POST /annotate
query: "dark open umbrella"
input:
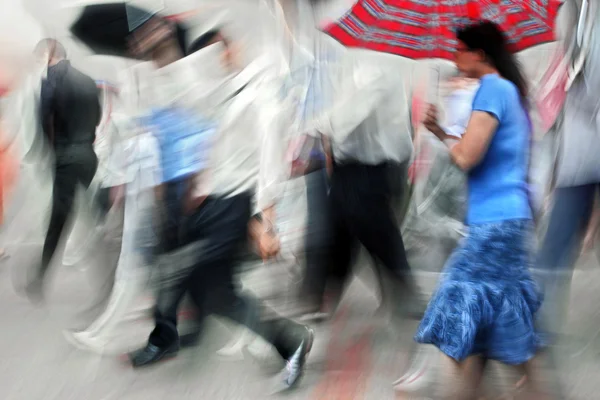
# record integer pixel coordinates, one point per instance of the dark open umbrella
(106, 28)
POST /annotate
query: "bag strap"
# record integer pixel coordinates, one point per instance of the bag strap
(581, 39)
(557, 141)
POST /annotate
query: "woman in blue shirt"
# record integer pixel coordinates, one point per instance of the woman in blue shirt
(485, 304)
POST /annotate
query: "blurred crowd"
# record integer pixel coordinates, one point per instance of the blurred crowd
(194, 143)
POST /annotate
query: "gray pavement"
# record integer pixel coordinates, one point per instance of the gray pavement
(356, 356)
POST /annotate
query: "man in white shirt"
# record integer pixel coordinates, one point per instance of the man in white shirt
(369, 131)
(219, 206)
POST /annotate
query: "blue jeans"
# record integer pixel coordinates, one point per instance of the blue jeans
(560, 248)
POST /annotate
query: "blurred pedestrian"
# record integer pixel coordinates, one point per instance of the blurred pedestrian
(71, 111)
(576, 173)
(369, 146)
(218, 201)
(484, 307)
(577, 169)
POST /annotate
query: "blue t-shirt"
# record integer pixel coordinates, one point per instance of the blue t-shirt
(498, 187)
(184, 139)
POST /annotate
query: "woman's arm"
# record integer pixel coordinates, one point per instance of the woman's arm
(469, 151)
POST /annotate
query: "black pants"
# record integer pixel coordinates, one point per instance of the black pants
(171, 253)
(74, 167)
(318, 239)
(222, 224)
(362, 212)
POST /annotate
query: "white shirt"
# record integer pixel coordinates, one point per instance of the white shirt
(369, 121)
(107, 149)
(243, 145)
(246, 109)
(458, 107)
(133, 158)
(142, 163)
(290, 113)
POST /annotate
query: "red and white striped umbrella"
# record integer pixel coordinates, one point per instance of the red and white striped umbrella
(426, 28)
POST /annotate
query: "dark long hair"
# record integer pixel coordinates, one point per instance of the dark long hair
(488, 37)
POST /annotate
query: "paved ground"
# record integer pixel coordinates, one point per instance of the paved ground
(356, 356)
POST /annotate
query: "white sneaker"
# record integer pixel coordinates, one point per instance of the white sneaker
(264, 355)
(259, 349)
(83, 341)
(234, 350)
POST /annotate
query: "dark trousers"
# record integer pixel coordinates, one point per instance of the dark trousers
(174, 265)
(73, 168)
(222, 225)
(361, 204)
(318, 239)
(172, 217)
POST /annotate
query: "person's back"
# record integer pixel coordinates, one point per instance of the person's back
(70, 113)
(76, 106)
(498, 188)
(370, 120)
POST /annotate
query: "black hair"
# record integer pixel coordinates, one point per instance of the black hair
(181, 36)
(487, 37)
(55, 48)
(204, 40)
(179, 32)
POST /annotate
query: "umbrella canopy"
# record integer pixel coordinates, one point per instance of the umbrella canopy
(106, 28)
(427, 28)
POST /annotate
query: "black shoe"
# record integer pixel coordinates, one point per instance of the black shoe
(151, 354)
(294, 368)
(189, 340)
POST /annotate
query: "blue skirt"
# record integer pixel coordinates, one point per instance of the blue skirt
(486, 300)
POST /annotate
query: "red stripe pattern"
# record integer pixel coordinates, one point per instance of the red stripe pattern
(426, 28)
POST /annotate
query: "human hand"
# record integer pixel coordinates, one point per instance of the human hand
(328, 154)
(299, 168)
(192, 203)
(268, 245)
(431, 119)
(329, 164)
(116, 195)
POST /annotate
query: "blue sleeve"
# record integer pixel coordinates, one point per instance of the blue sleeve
(491, 98)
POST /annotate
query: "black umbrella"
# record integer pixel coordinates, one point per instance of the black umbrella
(106, 28)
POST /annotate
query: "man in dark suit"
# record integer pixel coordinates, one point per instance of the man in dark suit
(70, 113)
